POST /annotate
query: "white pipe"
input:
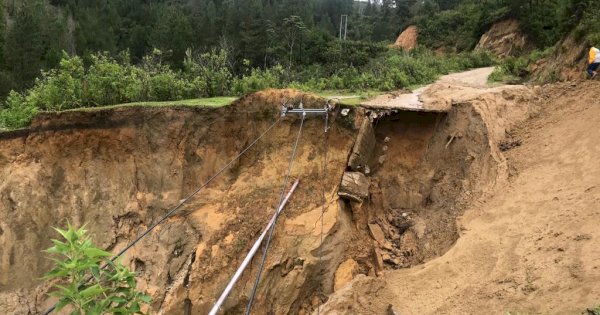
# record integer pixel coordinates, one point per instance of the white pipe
(250, 255)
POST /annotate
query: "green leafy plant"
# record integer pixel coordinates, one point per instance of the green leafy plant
(16, 113)
(594, 310)
(88, 281)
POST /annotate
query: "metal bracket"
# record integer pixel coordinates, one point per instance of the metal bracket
(289, 109)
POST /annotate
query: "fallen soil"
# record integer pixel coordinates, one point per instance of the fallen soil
(528, 247)
(505, 39)
(407, 40)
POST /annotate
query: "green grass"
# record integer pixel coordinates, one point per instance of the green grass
(347, 97)
(197, 102)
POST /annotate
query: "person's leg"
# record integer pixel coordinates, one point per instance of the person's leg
(595, 67)
(590, 70)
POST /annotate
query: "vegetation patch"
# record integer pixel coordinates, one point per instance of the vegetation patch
(207, 80)
(517, 69)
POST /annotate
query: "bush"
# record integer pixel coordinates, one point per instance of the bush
(60, 88)
(107, 82)
(16, 113)
(517, 68)
(210, 72)
(258, 80)
(88, 280)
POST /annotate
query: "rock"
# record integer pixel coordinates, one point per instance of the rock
(377, 233)
(387, 245)
(378, 261)
(385, 148)
(402, 224)
(354, 186)
(371, 272)
(345, 111)
(345, 273)
(386, 140)
(363, 148)
(381, 159)
(391, 310)
(386, 258)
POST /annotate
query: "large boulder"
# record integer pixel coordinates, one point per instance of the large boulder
(355, 186)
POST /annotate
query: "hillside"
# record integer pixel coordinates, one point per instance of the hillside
(453, 171)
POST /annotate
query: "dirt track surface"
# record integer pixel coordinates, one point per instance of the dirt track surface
(530, 248)
(417, 100)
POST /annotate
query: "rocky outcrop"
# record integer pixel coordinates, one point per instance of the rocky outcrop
(354, 186)
(505, 39)
(407, 39)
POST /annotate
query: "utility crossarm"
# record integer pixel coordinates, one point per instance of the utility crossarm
(285, 110)
(305, 111)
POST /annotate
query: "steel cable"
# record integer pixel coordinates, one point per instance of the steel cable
(264, 256)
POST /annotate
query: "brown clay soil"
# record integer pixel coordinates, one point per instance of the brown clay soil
(505, 39)
(531, 245)
(486, 206)
(407, 40)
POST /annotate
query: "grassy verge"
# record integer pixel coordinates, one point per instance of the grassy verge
(198, 102)
(348, 97)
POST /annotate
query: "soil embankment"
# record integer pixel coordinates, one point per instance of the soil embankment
(404, 178)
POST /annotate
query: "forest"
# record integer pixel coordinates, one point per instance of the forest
(62, 54)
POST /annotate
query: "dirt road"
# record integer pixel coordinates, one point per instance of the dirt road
(532, 247)
(414, 101)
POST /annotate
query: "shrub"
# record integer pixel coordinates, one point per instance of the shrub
(60, 88)
(84, 284)
(258, 80)
(517, 68)
(107, 82)
(16, 113)
(210, 70)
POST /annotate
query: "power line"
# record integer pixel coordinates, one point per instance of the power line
(181, 203)
(272, 229)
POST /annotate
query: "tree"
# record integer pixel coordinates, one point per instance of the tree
(24, 44)
(293, 30)
(88, 280)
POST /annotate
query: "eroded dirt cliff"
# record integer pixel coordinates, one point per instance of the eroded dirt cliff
(119, 170)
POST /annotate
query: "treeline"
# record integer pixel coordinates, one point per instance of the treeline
(264, 32)
(459, 24)
(291, 33)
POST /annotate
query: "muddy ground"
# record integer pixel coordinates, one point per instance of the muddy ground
(434, 227)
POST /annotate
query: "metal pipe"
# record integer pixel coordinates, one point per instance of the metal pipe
(251, 253)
